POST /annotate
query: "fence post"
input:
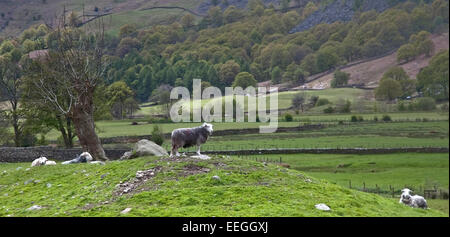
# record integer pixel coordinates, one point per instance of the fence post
(350, 183)
(364, 186)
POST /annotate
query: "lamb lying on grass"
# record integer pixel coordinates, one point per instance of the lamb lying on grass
(413, 201)
(42, 161)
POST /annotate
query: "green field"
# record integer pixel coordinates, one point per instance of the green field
(184, 187)
(398, 170)
(125, 128)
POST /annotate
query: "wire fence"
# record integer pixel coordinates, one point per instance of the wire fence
(389, 190)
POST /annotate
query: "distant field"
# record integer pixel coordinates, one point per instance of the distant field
(285, 99)
(414, 170)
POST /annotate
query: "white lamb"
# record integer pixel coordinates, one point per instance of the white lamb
(413, 201)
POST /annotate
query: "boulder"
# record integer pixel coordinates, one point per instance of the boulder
(145, 147)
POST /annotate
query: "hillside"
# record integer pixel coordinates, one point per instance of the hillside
(18, 15)
(182, 187)
(370, 72)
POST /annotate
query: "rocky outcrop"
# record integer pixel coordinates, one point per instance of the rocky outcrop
(145, 147)
(339, 10)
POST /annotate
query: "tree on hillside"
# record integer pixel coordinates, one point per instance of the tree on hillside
(340, 78)
(406, 53)
(161, 95)
(215, 16)
(433, 80)
(10, 86)
(388, 90)
(298, 102)
(118, 93)
(408, 86)
(228, 72)
(128, 30)
(187, 20)
(244, 80)
(77, 64)
(276, 75)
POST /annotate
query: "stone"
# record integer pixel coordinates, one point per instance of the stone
(216, 177)
(201, 157)
(126, 210)
(34, 207)
(28, 181)
(145, 147)
(127, 155)
(18, 168)
(322, 207)
(49, 185)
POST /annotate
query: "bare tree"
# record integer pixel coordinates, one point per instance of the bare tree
(69, 73)
(10, 81)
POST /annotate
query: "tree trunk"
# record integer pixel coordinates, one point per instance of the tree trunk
(16, 126)
(83, 121)
(69, 131)
(67, 136)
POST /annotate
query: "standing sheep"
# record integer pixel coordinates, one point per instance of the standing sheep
(187, 137)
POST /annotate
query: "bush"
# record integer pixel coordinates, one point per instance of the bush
(354, 119)
(386, 118)
(329, 110)
(444, 108)
(313, 100)
(288, 117)
(425, 104)
(157, 135)
(375, 119)
(322, 101)
(360, 118)
(401, 106)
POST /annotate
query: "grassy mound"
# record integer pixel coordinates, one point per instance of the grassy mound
(182, 187)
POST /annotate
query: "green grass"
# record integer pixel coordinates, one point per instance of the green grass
(354, 135)
(245, 188)
(124, 128)
(415, 170)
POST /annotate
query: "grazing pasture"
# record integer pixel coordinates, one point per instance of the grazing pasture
(183, 187)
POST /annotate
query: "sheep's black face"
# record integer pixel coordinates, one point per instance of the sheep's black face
(406, 198)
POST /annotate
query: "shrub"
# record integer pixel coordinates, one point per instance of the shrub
(354, 119)
(288, 117)
(360, 118)
(386, 118)
(329, 110)
(375, 119)
(425, 104)
(322, 101)
(401, 106)
(157, 135)
(444, 108)
(313, 100)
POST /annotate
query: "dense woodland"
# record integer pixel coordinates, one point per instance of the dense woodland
(234, 47)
